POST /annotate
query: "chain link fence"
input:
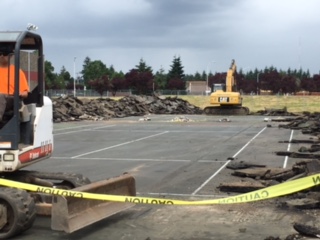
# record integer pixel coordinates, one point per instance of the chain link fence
(122, 93)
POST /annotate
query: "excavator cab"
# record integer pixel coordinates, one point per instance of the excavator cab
(26, 137)
(218, 87)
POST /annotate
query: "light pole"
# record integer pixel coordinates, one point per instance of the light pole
(74, 76)
(207, 82)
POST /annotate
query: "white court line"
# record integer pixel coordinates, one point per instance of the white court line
(224, 165)
(128, 159)
(176, 131)
(63, 129)
(82, 130)
(288, 149)
(121, 144)
(183, 195)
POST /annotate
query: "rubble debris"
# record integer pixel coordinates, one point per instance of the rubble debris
(289, 237)
(283, 119)
(308, 124)
(224, 120)
(307, 230)
(69, 108)
(243, 165)
(312, 148)
(181, 119)
(272, 238)
(145, 118)
(275, 112)
(298, 154)
(302, 203)
(301, 141)
(241, 187)
(261, 173)
(313, 166)
(256, 176)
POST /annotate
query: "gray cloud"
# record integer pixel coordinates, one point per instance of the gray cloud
(256, 33)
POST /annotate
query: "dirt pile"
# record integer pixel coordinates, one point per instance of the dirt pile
(69, 108)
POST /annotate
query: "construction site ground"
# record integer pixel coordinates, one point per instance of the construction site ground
(176, 157)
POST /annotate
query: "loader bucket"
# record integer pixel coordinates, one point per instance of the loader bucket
(70, 214)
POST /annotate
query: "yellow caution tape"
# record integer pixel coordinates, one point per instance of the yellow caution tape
(262, 194)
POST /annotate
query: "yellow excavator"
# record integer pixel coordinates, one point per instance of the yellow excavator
(225, 99)
(26, 137)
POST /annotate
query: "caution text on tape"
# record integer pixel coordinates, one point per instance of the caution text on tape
(262, 194)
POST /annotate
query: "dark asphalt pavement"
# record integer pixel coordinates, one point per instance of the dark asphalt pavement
(167, 157)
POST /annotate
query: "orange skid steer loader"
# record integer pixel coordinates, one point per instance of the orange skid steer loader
(26, 137)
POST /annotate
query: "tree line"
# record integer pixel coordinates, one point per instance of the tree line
(142, 80)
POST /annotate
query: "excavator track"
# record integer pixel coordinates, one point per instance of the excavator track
(233, 110)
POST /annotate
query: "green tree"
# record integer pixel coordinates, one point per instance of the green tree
(139, 82)
(176, 84)
(59, 83)
(190, 77)
(176, 70)
(140, 79)
(100, 85)
(197, 77)
(50, 76)
(118, 82)
(112, 72)
(143, 67)
(65, 77)
(176, 75)
(61, 80)
(160, 79)
(204, 75)
(93, 70)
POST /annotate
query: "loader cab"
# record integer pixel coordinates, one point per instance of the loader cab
(25, 52)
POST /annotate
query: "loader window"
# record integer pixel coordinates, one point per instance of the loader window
(28, 80)
(29, 65)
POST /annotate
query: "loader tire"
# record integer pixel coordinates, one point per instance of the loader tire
(21, 211)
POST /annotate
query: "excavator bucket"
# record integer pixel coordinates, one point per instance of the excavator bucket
(70, 214)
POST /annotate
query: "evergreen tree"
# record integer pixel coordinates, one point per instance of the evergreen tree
(197, 77)
(62, 79)
(160, 79)
(142, 67)
(204, 75)
(176, 71)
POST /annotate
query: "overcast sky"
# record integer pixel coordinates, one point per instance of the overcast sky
(205, 34)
